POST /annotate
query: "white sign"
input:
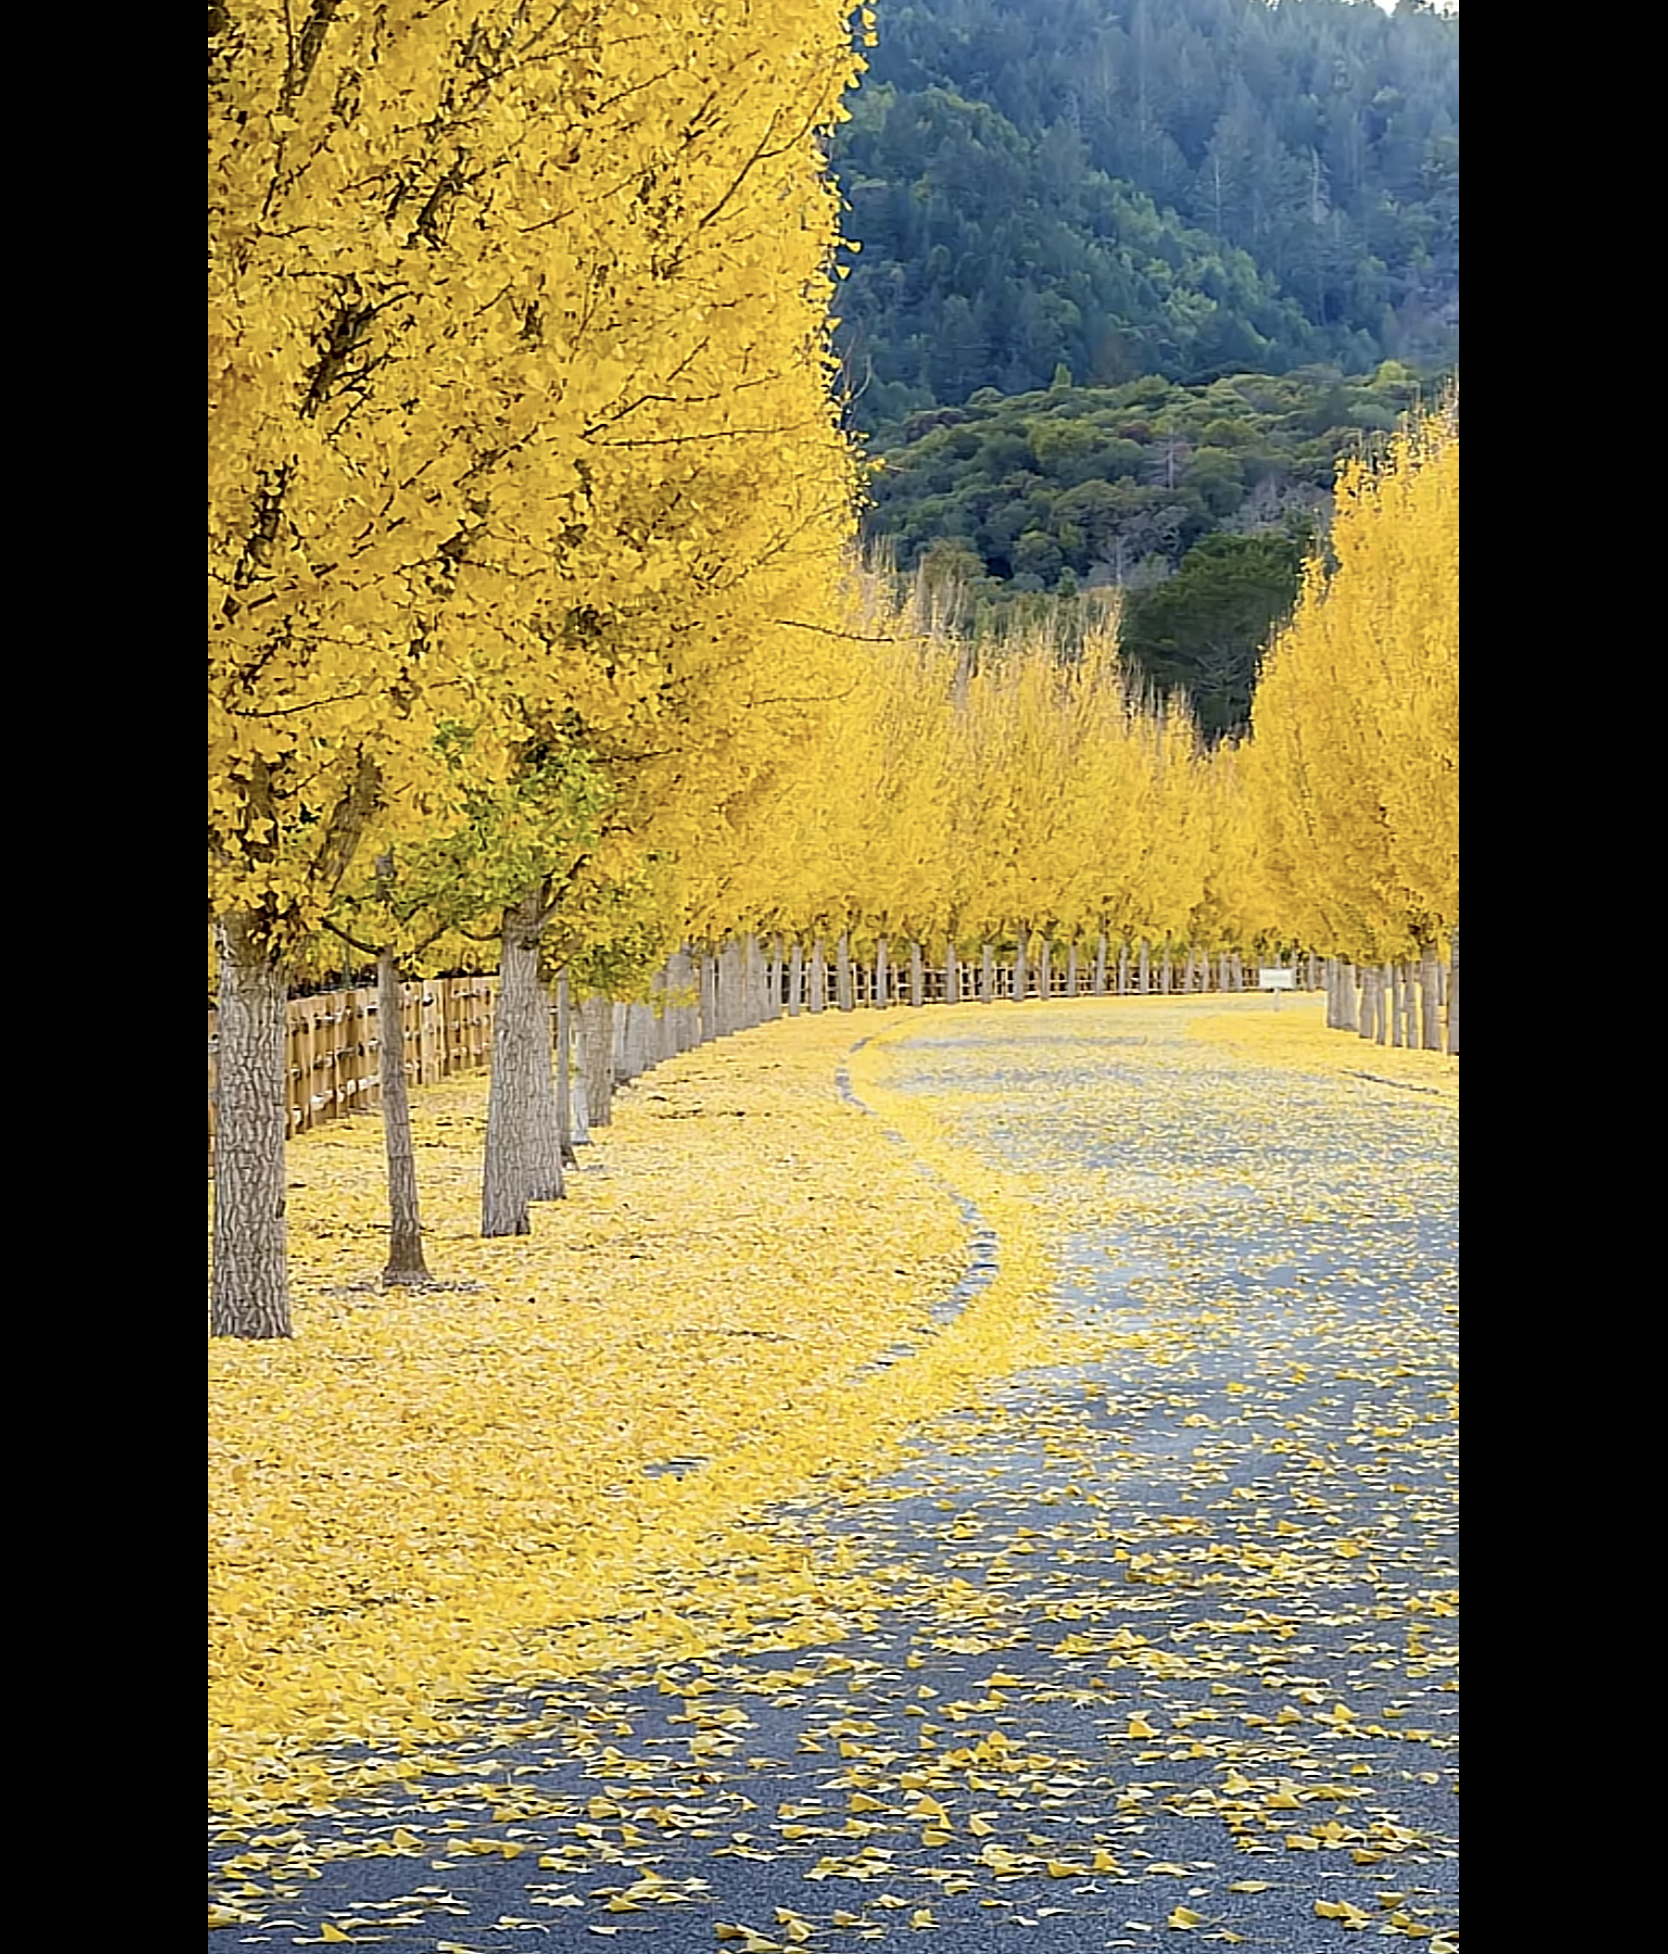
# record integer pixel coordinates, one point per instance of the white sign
(1276, 980)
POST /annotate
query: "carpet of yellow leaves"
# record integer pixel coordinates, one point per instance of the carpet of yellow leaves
(549, 1463)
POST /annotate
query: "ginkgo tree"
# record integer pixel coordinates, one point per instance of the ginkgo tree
(1353, 762)
(520, 415)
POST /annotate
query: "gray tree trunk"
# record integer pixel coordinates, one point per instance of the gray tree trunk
(1123, 969)
(544, 1135)
(917, 976)
(987, 973)
(520, 1024)
(1164, 970)
(773, 980)
(1453, 995)
(1386, 1001)
(1349, 999)
(564, 1067)
(1143, 970)
(249, 1293)
(818, 999)
(1022, 968)
(883, 976)
(952, 974)
(1430, 1003)
(1393, 985)
(796, 978)
(596, 1038)
(405, 1265)
(1100, 965)
(842, 972)
(1331, 986)
(1371, 981)
(1045, 970)
(1071, 971)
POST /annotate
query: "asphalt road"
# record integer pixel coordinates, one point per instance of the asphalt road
(1171, 1643)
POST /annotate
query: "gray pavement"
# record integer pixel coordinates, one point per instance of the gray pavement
(1170, 1645)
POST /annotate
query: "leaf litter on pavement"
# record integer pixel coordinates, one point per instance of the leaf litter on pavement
(1147, 1628)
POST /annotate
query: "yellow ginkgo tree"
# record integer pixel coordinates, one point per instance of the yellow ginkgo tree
(521, 426)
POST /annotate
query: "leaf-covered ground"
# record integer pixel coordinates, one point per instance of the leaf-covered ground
(1151, 1629)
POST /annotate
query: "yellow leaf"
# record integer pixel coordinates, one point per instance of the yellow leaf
(981, 1828)
(1103, 1862)
(1139, 1726)
(922, 1917)
(1185, 1917)
(1250, 1886)
(334, 1935)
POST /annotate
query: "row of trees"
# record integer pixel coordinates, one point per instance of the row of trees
(535, 636)
(527, 494)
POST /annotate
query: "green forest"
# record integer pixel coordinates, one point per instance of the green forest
(1195, 503)
(1124, 187)
(1129, 278)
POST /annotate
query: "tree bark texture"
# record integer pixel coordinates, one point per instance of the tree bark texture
(405, 1227)
(249, 1293)
(523, 1155)
(596, 1037)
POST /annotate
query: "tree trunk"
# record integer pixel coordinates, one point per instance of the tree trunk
(1143, 970)
(1100, 965)
(796, 977)
(817, 988)
(1164, 970)
(564, 1068)
(520, 1022)
(1022, 969)
(917, 976)
(987, 973)
(842, 971)
(1348, 1014)
(952, 974)
(596, 1040)
(1453, 995)
(1370, 982)
(883, 976)
(1123, 969)
(249, 1296)
(405, 1227)
(773, 980)
(1386, 1002)
(1393, 984)
(1430, 1007)
(1045, 970)
(1330, 981)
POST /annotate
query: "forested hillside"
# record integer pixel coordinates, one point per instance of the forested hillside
(1192, 505)
(1125, 187)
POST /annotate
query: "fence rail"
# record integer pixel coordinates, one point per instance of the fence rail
(333, 1046)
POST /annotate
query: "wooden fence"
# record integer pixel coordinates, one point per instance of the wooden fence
(333, 1047)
